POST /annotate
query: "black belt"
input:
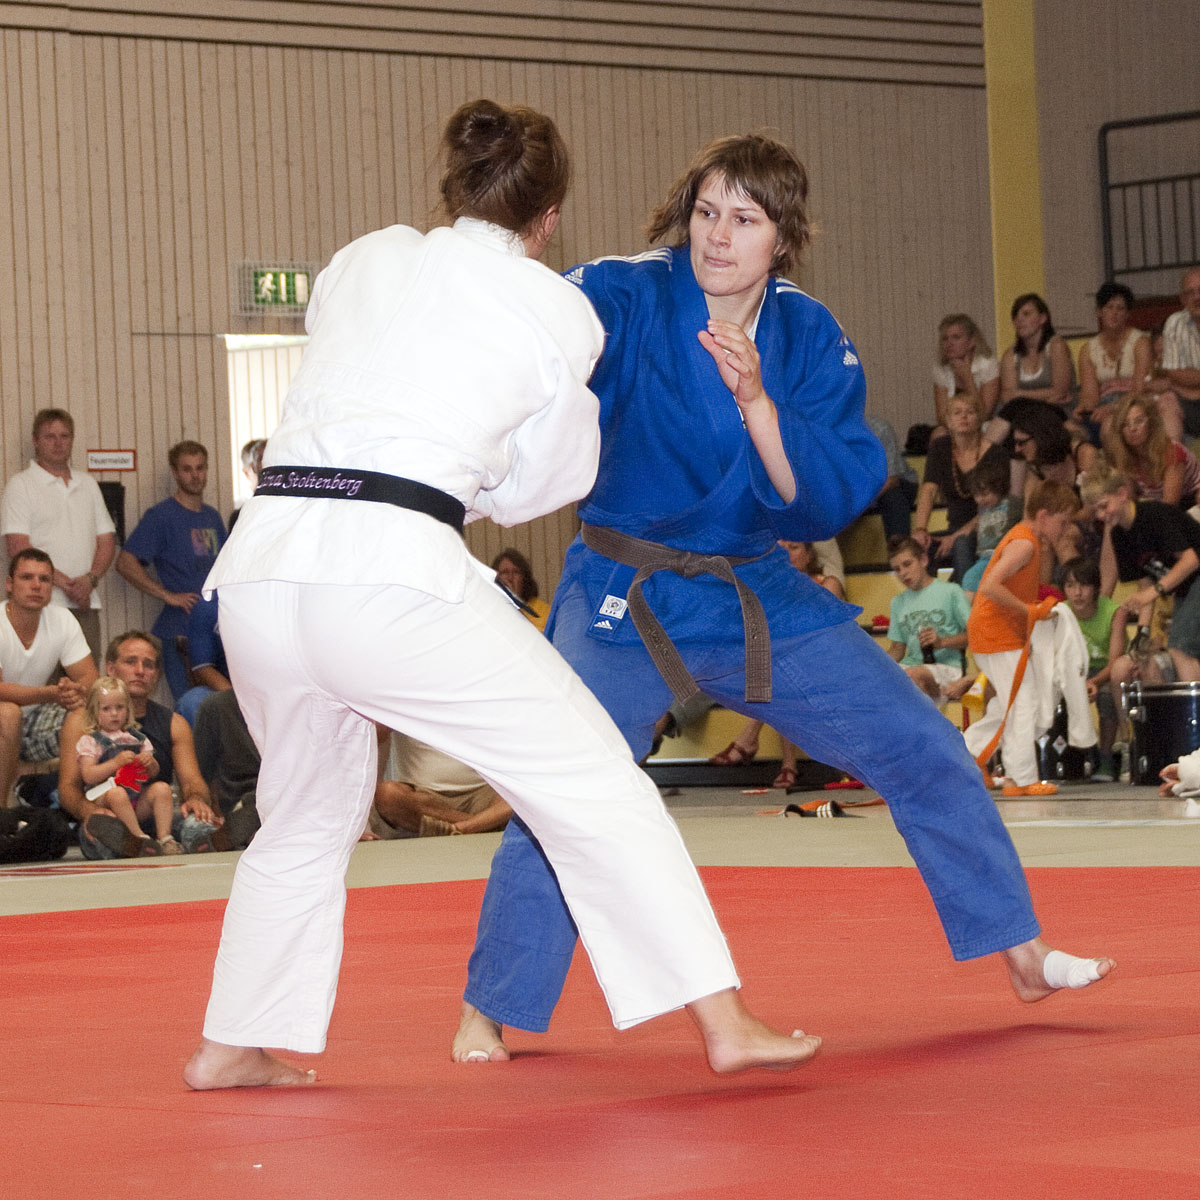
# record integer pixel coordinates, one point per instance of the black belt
(649, 557)
(339, 483)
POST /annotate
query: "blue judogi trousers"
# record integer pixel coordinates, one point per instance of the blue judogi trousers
(843, 700)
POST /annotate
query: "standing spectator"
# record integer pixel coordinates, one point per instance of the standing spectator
(179, 538)
(34, 638)
(896, 498)
(62, 512)
(1181, 352)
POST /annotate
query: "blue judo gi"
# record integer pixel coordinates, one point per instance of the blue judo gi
(678, 468)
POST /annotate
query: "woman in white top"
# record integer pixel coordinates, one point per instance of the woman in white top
(1118, 362)
(445, 379)
(965, 367)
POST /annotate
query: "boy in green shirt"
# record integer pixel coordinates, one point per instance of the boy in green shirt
(1095, 613)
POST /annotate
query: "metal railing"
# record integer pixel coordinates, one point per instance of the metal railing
(1151, 223)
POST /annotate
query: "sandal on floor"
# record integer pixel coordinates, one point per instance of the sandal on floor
(785, 779)
(732, 756)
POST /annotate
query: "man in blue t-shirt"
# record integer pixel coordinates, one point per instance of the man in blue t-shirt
(179, 538)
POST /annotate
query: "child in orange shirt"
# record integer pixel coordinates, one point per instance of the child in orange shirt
(1005, 610)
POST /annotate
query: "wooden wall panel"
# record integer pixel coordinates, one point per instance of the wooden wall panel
(1100, 61)
(158, 163)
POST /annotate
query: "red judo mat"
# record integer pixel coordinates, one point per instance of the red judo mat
(933, 1080)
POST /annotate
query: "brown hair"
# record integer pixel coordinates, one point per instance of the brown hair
(1050, 496)
(529, 587)
(968, 326)
(1158, 442)
(32, 554)
(177, 451)
(503, 165)
(898, 543)
(46, 415)
(765, 170)
(133, 635)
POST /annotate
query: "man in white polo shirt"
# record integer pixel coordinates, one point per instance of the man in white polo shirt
(35, 636)
(62, 512)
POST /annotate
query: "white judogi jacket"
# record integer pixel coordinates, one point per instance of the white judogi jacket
(504, 423)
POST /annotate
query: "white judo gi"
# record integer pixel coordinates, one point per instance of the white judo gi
(451, 359)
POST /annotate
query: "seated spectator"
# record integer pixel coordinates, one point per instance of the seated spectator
(206, 653)
(896, 498)
(513, 570)
(1117, 362)
(1178, 367)
(1047, 448)
(1182, 779)
(927, 633)
(433, 795)
(1105, 640)
(1137, 445)
(35, 637)
(229, 761)
(1158, 546)
(1038, 365)
(135, 658)
(117, 763)
(965, 367)
(946, 468)
(998, 511)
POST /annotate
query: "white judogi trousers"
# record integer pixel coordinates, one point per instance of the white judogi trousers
(314, 666)
(1017, 743)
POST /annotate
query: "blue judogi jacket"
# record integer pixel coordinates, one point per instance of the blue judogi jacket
(678, 467)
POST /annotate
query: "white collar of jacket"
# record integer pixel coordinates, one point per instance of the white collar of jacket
(497, 235)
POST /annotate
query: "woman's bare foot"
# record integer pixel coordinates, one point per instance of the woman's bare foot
(735, 1040)
(1027, 970)
(216, 1065)
(479, 1038)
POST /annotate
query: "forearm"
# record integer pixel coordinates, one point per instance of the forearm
(210, 677)
(97, 772)
(951, 641)
(762, 424)
(999, 594)
(106, 551)
(925, 498)
(134, 573)
(19, 694)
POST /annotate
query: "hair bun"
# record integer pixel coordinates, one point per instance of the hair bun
(483, 131)
(503, 165)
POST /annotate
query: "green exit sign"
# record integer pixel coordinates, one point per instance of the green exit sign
(275, 289)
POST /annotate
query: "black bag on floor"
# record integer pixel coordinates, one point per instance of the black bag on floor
(32, 835)
(1058, 760)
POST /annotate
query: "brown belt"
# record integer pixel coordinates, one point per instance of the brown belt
(651, 557)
